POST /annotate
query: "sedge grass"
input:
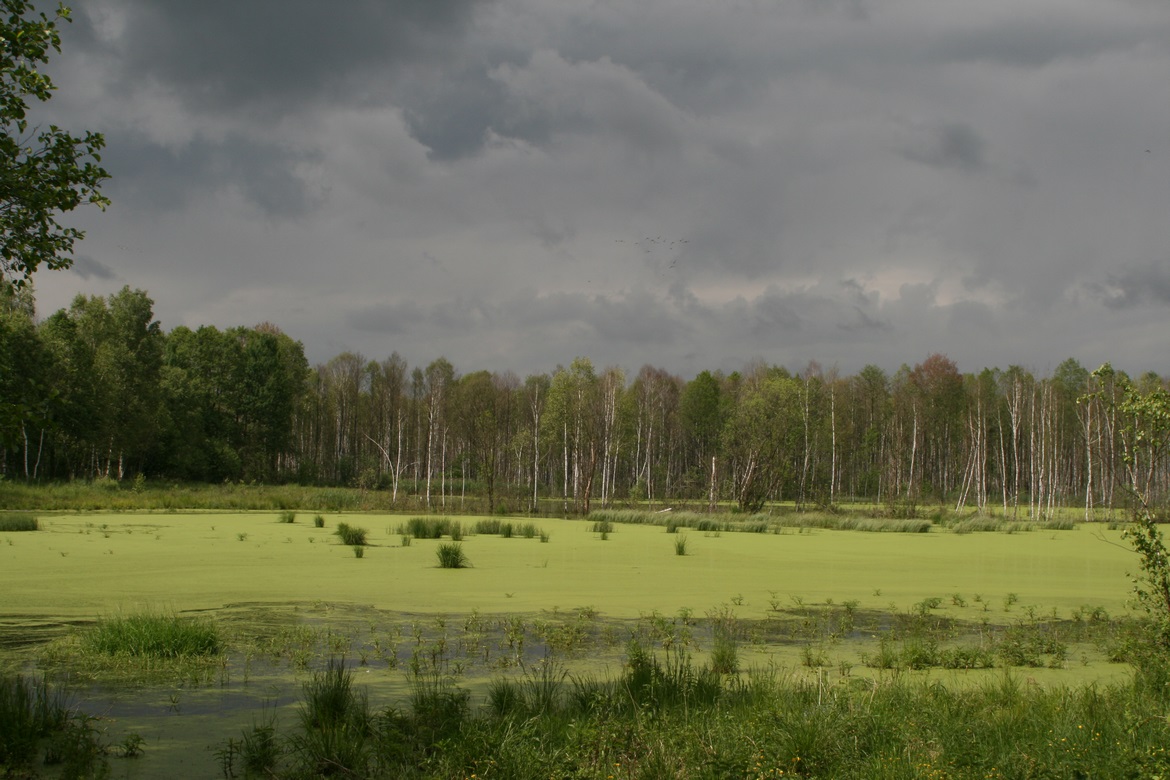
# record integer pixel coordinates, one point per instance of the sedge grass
(151, 635)
(352, 535)
(451, 556)
(664, 716)
(18, 521)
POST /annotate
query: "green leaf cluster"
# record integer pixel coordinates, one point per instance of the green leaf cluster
(44, 171)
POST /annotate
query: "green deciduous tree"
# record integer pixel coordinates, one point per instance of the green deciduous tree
(44, 171)
(1145, 440)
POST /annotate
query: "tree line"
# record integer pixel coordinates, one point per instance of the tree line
(98, 390)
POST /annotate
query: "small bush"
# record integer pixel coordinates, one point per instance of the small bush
(451, 556)
(602, 526)
(318, 521)
(680, 544)
(351, 535)
(406, 540)
(288, 516)
(18, 522)
(359, 551)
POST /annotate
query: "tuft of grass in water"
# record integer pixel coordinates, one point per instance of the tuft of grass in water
(429, 527)
(359, 551)
(29, 712)
(336, 725)
(451, 556)
(153, 636)
(351, 535)
(288, 516)
(405, 540)
(680, 544)
(318, 521)
(19, 522)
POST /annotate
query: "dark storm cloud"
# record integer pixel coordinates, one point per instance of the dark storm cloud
(637, 318)
(275, 55)
(154, 176)
(846, 176)
(88, 268)
(451, 113)
(952, 145)
(1136, 287)
(863, 323)
(1033, 40)
(389, 319)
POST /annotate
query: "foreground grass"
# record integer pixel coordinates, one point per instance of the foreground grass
(37, 727)
(666, 717)
(152, 636)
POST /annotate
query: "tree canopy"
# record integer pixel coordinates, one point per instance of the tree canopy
(44, 171)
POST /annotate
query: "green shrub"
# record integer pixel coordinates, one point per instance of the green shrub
(153, 636)
(451, 556)
(288, 516)
(18, 522)
(318, 521)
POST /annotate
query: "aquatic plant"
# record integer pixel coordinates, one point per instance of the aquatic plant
(451, 556)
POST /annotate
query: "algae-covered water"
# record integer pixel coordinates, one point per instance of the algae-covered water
(288, 595)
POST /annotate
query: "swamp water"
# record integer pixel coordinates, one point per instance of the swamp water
(288, 597)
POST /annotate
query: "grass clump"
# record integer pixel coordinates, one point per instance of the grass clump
(318, 521)
(153, 636)
(19, 522)
(680, 544)
(288, 516)
(351, 535)
(451, 556)
(429, 527)
(28, 713)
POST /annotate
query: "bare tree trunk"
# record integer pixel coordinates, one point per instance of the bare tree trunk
(711, 494)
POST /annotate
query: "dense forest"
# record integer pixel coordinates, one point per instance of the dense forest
(100, 391)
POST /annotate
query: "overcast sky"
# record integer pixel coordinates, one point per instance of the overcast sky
(685, 183)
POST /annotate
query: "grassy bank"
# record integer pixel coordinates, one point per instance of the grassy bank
(666, 717)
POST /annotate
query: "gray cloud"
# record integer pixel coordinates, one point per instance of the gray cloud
(271, 56)
(950, 145)
(88, 268)
(1132, 287)
(470, 178)
(156, 176)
